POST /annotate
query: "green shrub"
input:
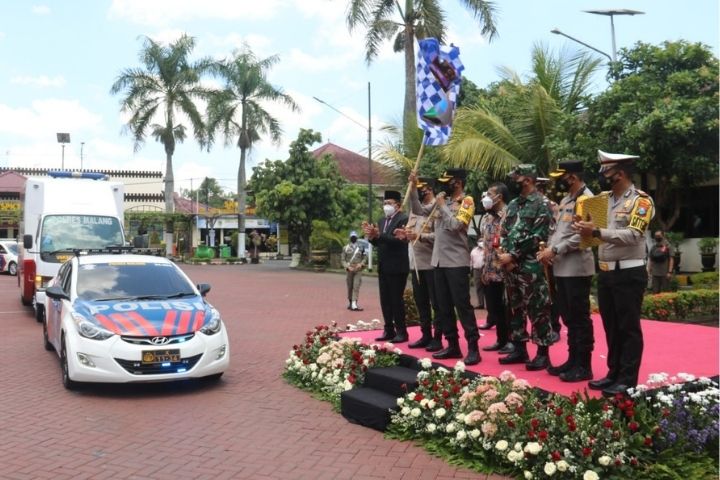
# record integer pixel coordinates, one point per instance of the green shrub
(680, 305)
(705, 280)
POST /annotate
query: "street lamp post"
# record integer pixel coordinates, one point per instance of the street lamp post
(82, 144)
(611, 14)
(557, 31)
(369, 138)
(62, 139)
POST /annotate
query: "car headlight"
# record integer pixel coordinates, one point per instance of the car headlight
(88, 329)
(212, 326)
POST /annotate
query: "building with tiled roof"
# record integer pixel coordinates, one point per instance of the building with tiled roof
(354, 167)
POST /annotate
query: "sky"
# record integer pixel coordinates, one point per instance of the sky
(58, 60)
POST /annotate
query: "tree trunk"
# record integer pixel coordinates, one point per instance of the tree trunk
(410, 107)
(241, 203)
(169, 203)
(664, 195)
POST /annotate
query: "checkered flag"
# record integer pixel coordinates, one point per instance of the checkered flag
(438, 79)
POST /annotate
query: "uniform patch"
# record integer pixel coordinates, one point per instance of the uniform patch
(641, 214)
(466, 211)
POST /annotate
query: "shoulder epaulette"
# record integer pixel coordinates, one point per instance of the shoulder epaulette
(606, 193)
(641, 193)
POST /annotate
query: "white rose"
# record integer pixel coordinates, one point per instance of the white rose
(400, 401)
(475, 433)
(450, 428)
(426, 363)
(562, 466)
(533, 448)
(423, 402)
(431, 427)
(528, 475)
(405, 411)
(512, 455)
(461, 435)
(604, 460)
(518, 447)
(460, 417)
(590, 475)
(459, 367)
(549, 469)
(501, 445)
(431, 404)
(440, 412)
(415, 412)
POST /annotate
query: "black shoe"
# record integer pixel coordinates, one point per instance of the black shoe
(617, 388)
(565, 367)
(554, 337)
(492, 348)
(508, 348)
(399, 338)
(519, 355)
(600, 384)
(423, 342)
(576, 374)
(473, 358)
(435, 345)
(452, 351)
(385, 337)
(486, 326)
(540, 362)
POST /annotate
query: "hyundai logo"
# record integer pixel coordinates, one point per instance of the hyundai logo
(159, 340)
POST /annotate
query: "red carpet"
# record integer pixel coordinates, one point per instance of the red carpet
(669, 347)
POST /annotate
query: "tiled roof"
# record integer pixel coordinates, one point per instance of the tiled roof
(112, 173)
(11, 181)
(354, 167)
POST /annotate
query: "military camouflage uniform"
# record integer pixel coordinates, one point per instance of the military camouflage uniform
(528, 222)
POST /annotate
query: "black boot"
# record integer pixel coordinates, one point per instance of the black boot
(452, 351)
(473, 356)
(508, 347)
(423, 341)
(401, 337)
(541, 360)
(435, 344)
(518, 355)
(581, 371)
(386, 336)
(564, 367)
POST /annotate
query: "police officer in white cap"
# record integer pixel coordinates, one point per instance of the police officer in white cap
(623, 275)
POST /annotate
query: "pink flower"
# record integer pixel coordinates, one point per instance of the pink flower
(497, 408)
(513, 399)
(490, 395)
(520, 384)
(489, 429)
(474, 417)
(507, 376)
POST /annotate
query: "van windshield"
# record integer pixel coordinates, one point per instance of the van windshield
(64, 232)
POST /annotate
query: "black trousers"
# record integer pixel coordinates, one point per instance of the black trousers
(392, 287)
(572, 296)
(497, 311)
(554, 307)
(620, 295)
(423, 283)
(452, 287)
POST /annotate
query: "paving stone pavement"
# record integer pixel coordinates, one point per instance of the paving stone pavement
(250, 425)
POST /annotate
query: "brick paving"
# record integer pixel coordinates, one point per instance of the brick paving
(251, 425)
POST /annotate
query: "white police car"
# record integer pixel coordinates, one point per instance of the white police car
(122, 318)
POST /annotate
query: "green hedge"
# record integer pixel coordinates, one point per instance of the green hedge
(705, 280)
(681, 305)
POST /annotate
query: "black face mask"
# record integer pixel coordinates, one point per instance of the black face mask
(353, 239)
(658, 239)
(448, 188)
(562, 185)
(516, 187)
(606, 183)
(422, 194)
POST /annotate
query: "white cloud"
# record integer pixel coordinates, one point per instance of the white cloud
(166, 36)
(40, 81)
(221, 46)
(41, 10)
(44, 118)
(167, 12)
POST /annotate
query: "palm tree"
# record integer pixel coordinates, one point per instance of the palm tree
(513, 127)
(165, 90)
(238, 113)
(388, 20)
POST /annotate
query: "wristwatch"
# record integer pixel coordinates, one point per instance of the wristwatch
(596, 232)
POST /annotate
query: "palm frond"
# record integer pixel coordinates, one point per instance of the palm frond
(486, 14)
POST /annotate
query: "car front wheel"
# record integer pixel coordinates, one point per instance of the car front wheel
(68, 383)
(12, 268)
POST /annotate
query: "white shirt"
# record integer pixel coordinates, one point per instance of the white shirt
(477, 257)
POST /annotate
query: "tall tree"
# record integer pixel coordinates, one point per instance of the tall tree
(161, 94)
(302, 189)
(209, 192)
(664, 108)
(512, 123)
(238, 112)
(403, 24)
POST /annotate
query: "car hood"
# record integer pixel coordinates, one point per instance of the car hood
(147, 318)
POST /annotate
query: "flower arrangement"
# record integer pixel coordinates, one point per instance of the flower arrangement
(361, 326)
(328, 365)
(665, 429)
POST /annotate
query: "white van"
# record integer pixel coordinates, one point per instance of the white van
(62, 213)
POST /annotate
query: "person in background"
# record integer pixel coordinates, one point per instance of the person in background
(574, 268)
(353, 261)
(393, 267)
(477, 258)
(660, 266)
(622, 279)
(420, 234)
(494, 202)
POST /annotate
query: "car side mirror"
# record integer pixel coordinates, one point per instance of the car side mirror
(56, 293)
(203, 288)
(27, 241)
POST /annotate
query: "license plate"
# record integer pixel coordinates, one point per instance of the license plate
(160, 356)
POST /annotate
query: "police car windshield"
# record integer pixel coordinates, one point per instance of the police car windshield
(127, 280)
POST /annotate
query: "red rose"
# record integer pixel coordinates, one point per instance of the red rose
(448, 404)
(608, 424)
(535, 423)
(435, 387)
(558, 411)
(531, 435)
(445, 394)
(418, 397)
(618, 462)
(633, 426)
(587, 451)
(519, 410)
(556, 456)
(543, 435)
(572, 427)
(511, 424)
(351, 378)
(648, 441)
(634, 462)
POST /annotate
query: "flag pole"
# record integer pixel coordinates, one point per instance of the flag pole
(415, 169)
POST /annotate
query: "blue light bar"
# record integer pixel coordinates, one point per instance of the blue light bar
(181, 370)
(166, 364)
(68, 174)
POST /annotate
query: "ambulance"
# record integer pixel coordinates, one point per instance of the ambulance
(61, 213)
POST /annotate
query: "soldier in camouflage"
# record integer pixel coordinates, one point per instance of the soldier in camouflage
(528, 222)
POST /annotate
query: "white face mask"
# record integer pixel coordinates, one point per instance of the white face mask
(388, 209)
(487, 202)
